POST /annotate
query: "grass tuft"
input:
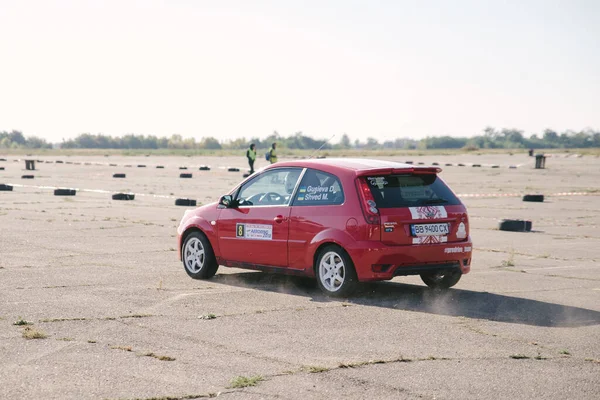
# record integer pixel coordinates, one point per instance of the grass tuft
(316, 369)
(161, 358)
(30, 333)
(22, 322)
(124, 348)
(207, 316)
(519, 356)
(242, 381)
(565, 352)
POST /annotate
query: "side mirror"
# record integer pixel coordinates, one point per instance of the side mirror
(226, 201)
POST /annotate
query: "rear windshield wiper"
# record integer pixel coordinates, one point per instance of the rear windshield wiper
(434, 201)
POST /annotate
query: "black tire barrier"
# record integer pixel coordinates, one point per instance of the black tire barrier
(537, 198)
(204, 168)
(87, 163)
(421, 163)
(112, 165)
(435, 163)
(5, 188)
(185, 202)
(233, 169)
(123, 196)
(160, 166)
(512, 167)
(448, 164)
(1, 168)
(27, 177)
(2, 159)
(77, 163)
(245, 175)
(65, 192)
(476, 165)
(495, 166)
(141, 166)
(69, 162)
(182, 167)
(408, 162)
(119, 176)
(185, 175)
(16, 160)
(515, 225)
(59, 162)
(460, 165)
(127, 166)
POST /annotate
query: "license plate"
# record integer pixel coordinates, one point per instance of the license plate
(430, 229)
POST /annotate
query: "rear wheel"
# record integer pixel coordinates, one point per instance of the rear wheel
(442, 279)
(198, 257)
(335, 272)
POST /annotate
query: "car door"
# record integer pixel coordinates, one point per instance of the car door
(255, 232)
(317, 206)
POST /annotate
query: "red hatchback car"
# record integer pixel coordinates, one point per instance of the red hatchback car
(342, 221)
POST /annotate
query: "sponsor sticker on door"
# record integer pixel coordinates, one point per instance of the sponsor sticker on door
(254, 231)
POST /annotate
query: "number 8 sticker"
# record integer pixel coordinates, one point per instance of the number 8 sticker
(239, 231)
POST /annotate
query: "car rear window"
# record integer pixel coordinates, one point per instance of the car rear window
(391, 191)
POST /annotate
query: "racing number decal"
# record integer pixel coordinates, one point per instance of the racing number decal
(253, 231)
(239, 230)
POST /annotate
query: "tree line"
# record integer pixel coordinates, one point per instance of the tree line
(490, 139)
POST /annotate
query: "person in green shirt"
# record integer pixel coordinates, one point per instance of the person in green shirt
(273, 153)
(251, 155)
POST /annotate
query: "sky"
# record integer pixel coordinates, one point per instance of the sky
(239, 68)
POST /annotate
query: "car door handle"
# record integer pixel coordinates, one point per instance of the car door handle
(279, 219)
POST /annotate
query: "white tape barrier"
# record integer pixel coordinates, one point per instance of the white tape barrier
(160, 196)
(559, 194)
(462, 195)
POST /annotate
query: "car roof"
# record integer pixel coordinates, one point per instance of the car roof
(356, 165)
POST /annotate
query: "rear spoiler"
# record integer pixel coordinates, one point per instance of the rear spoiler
(399, 171)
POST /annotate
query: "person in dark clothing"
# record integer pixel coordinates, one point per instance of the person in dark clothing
(251, 155)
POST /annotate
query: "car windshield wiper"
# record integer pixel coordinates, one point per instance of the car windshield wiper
(434, 201)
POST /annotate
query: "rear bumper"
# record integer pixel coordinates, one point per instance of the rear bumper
(374, 261)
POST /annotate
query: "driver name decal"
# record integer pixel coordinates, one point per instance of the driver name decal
(254, 231)
(314, 193)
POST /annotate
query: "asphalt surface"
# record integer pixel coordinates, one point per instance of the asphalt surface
(102, 281)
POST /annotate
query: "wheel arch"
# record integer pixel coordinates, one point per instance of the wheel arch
(326, 238)
(202, 226)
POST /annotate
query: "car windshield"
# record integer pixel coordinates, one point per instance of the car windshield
(393, 191)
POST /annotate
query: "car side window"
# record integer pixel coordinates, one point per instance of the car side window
(319, 188)
(273, 187)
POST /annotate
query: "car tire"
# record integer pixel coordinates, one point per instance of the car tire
(441, 280)
(198, 257)
(123, 196)
(515, 225)
(342, 280)
(65, 192)
(185, 175)
(538, 198)
(185, 202)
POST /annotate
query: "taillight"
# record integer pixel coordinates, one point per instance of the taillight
(368, 204)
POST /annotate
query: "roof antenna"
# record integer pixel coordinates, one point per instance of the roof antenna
(317, 150)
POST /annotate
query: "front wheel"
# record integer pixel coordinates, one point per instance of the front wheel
(442, 279)
(198, 257)
(335, 272)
